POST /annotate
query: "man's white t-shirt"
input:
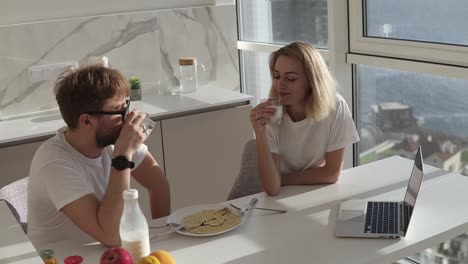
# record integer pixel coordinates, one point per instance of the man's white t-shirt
(303, 144)
(59, 175)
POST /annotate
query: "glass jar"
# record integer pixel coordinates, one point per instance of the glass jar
(48, 256)
(189, 74)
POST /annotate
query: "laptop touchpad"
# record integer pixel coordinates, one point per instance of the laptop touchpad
(352, 215)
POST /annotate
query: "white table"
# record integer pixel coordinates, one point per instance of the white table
(306, 233)
(15, 246)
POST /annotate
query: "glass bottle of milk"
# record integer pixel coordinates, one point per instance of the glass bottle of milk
(134, 232)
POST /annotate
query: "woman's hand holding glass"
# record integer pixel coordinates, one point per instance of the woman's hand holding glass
(262, 115)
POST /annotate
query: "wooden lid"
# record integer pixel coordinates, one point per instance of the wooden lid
(187, 61)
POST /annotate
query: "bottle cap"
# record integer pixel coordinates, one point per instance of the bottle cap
(73, 260)
(187, 61)
(130, 194)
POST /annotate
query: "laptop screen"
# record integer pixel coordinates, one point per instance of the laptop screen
(413, 187)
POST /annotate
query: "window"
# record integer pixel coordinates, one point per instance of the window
(399, 110)
(284, 21)
(418, 20)
(401, 29)
(266, 25)
(411, 82)
(256, 77)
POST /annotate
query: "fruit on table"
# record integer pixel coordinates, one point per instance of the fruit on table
(149, 260)
(116, 255)
(164, 257)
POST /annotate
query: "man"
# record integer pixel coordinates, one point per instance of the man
(77, 178)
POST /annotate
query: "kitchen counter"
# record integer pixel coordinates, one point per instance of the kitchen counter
(206, 98)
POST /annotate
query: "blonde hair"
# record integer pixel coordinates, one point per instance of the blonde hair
(322, 98)
(87, 89)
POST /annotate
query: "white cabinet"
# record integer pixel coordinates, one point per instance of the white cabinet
(15, 162)
(202, 154)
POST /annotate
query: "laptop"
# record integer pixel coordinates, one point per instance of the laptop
(381, 219)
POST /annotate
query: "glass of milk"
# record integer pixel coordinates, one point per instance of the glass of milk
(278, 116)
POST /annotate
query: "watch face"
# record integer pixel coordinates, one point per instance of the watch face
(121, 163)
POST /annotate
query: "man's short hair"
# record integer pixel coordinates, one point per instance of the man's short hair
(86, 90)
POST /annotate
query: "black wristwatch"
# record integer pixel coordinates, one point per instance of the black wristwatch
(122, 163)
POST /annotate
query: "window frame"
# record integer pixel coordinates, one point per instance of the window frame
(409, 65)
(455, 55)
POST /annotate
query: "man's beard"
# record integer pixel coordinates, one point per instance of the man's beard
(104, 139)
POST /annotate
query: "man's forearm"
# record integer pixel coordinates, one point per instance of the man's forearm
(160, 200)
(112, 204)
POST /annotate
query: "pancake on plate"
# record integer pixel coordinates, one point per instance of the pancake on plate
(211, 221)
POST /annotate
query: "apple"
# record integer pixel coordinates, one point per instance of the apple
(116, 255)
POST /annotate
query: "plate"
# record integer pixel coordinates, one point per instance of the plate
(178, 215)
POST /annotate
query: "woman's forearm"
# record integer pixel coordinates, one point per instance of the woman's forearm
(267, 169)
(315, 175)
(325, 173)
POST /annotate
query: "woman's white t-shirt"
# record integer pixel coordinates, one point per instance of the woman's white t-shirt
(59, 175)
(303, 144)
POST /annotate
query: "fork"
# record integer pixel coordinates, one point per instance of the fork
(173, 227)
(260, 208)
(251, 205)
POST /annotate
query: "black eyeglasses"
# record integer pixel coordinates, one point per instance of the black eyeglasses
(123, 113)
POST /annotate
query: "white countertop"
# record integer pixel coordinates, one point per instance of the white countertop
(16, 131)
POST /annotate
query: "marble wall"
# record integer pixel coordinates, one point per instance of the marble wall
(145, 44)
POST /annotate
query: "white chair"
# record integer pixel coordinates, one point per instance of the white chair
(16, 196)
(248, 181)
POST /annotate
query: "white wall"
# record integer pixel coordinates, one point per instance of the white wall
(143, 44)
(26, 11)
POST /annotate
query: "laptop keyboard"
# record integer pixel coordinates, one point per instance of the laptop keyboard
(382, 218)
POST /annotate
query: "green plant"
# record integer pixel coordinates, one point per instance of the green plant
(134, 83)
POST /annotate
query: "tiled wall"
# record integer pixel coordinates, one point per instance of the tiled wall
(145, 44)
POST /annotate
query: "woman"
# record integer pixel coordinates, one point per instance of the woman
(308, 147)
